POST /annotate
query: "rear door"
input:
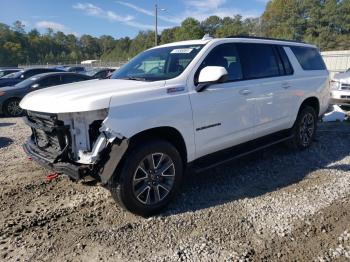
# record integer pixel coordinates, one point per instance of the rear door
(262, 65)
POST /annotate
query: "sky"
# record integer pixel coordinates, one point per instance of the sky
(118, 18)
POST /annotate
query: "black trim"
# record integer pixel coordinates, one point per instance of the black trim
(265, 38)
(74, 171)
(238, 151)
(209, 126)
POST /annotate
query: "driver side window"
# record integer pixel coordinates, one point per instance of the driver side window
(224, 55)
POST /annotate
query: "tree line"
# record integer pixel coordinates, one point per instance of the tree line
(325, 23)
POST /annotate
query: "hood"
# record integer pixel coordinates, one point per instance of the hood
(342, 77)
(84, 96)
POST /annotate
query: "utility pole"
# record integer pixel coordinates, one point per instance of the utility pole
(156, 25)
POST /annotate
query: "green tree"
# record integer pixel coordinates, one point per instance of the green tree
(190, 29)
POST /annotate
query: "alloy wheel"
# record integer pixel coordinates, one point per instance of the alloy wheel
(154, 178)
(13, 108)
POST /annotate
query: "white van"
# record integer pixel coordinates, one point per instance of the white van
(194, 103)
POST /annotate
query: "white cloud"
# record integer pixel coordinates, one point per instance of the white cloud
(203, 9)
(89, 9)
(148, 12)
(92, 10)
(209, 4)
(55, 26)
(198, 9)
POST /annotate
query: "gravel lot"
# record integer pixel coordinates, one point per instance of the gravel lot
(276, 205)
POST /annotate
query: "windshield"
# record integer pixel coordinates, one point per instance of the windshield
(159, 63)
(14, 75)
(92, 72)
(26, 83)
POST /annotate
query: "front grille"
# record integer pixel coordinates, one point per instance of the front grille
(49, 134)
(345, 97)
(345, 86)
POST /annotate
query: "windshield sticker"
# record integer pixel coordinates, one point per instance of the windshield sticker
(182, 51)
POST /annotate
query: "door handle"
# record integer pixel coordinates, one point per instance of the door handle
(286, 85)
(245, 92)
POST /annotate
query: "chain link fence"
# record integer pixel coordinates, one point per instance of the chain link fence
(97, 64)
(336, 61)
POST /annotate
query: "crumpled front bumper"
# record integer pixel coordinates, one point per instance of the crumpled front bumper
(74, 171)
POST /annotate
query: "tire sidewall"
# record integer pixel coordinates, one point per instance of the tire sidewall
(303, 112)
(133, 158)
(6, 104)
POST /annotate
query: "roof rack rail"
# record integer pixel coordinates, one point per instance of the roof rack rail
(265, 38)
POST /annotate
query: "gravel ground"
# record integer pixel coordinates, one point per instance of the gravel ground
(276, 205)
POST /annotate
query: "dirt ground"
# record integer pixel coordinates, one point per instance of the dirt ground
(276, 205)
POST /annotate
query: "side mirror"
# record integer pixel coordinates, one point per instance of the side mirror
(35, 86)
(211, 75)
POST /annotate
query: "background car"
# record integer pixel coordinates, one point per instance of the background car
(12, 95)
(340, 89)
(7, 71)
(100, 73)
(75, 69)
(15, 78)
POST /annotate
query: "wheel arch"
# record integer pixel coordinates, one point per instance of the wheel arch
(112, 168)
(313, 102)
(170, 134)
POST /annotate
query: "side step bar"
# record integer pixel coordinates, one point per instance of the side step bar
(208, 162)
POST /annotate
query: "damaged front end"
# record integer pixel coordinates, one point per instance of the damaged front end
(76, 144)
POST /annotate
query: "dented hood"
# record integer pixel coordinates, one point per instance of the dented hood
(84, 96)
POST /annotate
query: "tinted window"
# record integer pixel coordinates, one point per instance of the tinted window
(258, 60)
(50, 81)
(288, 69)
(101, 74)
(72, 78)
(309, 58)
(224, 55)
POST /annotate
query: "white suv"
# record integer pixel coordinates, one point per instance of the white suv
(194, 103)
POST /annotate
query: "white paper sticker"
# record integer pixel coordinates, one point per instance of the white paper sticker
(182, 51)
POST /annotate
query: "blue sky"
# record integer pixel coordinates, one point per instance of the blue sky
(118, 18)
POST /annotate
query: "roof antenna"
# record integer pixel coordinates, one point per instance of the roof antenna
(207, 37)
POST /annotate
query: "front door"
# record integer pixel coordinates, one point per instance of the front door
(223, 114)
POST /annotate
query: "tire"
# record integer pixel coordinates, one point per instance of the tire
(148, 178)
(304, 129)
(12, 109)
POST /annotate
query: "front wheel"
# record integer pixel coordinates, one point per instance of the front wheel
(304, 129)
(12, 108)
(149, 177)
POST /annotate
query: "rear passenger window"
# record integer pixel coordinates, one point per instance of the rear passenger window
(258, 61)
(225, 55)
(309, 58)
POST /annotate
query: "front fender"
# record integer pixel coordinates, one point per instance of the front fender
(174, 111)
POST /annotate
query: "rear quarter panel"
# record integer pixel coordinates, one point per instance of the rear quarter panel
(308, 83)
